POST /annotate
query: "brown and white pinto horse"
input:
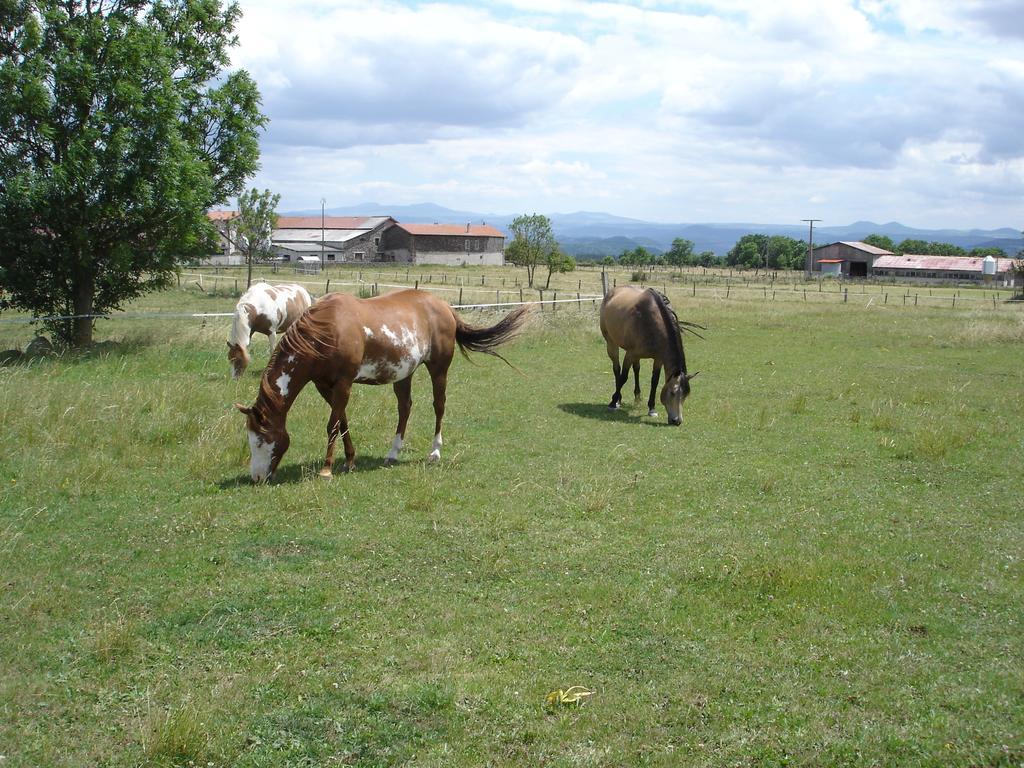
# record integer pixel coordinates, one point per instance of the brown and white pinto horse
(342, 340)
(269, 309)
(642, 323)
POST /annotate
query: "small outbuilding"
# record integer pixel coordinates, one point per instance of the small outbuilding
(831, 267)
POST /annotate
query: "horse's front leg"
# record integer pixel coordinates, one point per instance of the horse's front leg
(337, 426)
(620, 377)
(655, 375)
(403, 393)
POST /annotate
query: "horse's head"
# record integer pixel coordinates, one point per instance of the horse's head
(677, 387)
(267, 443)
(238, 356)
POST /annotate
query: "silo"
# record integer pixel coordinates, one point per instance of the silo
(988, 266)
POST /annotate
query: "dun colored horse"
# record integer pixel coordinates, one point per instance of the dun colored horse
(342, 340)
(269, 309)
(642, 323)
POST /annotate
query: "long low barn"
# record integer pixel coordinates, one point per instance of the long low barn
(944, 268)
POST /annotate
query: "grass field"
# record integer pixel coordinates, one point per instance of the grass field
(822, 566)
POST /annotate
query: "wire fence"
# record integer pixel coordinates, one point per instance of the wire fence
(697, 281)
(517, 294)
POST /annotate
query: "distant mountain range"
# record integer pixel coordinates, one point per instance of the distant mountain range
(590, 234)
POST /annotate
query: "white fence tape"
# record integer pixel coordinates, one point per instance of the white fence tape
(153, 315)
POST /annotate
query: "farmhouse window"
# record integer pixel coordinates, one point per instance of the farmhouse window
(359, 255)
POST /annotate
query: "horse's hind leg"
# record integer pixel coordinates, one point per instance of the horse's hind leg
(403, 393)
(636, 380)
(439, 379)
(337, 426)
(655, 375)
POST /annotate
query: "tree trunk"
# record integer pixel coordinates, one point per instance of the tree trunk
(548, 283)
(248, 276)
(82, 326)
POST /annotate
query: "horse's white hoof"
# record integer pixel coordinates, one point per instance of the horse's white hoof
(652, 413)
(434, 456)
(325, 474)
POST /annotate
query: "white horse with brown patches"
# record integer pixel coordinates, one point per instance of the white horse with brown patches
(343, 341)
(264, 308)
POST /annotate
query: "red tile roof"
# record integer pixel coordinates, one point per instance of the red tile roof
(472, 230)
(221, 215)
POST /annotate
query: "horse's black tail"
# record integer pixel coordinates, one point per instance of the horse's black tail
(486, 340)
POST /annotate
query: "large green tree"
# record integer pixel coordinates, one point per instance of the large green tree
(532, 244)
(681, 254)
(254, 227)
(880, 241)
(119, 128)
(764, 251)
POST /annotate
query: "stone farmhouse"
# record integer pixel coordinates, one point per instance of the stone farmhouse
(365, 240)
(449, 244)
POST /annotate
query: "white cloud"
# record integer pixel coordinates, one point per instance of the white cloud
(883, 109)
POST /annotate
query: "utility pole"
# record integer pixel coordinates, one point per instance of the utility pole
(810, 249)
(323, 264)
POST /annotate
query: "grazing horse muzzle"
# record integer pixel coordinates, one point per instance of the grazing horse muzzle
(266, 445)
(675, 422)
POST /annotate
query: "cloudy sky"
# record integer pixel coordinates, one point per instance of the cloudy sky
(765, 111)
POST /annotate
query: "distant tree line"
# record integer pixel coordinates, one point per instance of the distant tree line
(933, 248)
(681, 254)
(775, 252)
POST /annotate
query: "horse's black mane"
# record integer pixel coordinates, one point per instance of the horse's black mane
(673, 326)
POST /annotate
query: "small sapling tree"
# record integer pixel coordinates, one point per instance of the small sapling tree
(254, 227)
(532, 244)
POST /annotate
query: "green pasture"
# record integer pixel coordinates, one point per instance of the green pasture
(822, 566)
